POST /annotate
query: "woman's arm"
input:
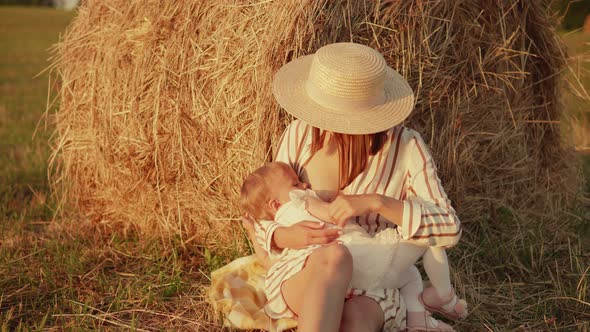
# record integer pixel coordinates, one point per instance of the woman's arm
(345, 207)
(297, 236)
(303, 234)
(428, 216)
(425, 213)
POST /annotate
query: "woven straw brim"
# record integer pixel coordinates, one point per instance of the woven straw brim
(289, 91)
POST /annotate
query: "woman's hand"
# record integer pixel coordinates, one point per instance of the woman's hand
(303, 234)
(344, 207)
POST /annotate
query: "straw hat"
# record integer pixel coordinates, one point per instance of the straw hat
(345, 88)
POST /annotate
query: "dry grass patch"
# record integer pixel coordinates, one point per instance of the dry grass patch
(62, 276)
(516, 275)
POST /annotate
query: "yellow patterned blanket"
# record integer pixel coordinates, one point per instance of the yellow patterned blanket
(237, 292)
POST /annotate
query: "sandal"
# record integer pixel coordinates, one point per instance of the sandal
(422, 321)
(459, 311)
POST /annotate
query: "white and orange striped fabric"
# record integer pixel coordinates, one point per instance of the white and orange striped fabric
(404, 170)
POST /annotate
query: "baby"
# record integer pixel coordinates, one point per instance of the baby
(289, 202)
(274, 192)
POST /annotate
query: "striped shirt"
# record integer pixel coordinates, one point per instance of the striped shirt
(402, 169)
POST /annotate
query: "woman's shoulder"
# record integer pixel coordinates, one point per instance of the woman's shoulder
(295, 134)
(403, 136)
(405, 146)
(296, 126)
(292, 141)
(294, 129)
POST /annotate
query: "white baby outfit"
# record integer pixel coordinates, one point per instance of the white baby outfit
(371, 256)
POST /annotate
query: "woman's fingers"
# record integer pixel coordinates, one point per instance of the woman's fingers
(312, 224)
(341, 222)
(340, 216)
(324, 233)
(248, 218)
(339, 209)
(323, 239)
(324, 236)
(248, 225)
(320, 236)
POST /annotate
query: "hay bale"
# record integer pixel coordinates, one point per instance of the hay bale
(166, 105)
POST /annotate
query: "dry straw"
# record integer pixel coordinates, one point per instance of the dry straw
(166, 105)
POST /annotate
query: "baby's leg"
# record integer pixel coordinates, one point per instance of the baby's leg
(404, 256)
(436, 266)
(441, 297)
(410, 288)
(417, 318)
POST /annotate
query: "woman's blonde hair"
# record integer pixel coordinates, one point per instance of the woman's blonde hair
(354, 151)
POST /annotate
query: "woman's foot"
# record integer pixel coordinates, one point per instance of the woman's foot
(450, 307)
(421, 321)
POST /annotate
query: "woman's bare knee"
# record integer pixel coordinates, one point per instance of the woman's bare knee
(330, 264)
(332, 259)
(361, 314)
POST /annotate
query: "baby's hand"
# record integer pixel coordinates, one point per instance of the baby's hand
(319, 209)
(349, 206)
(339, 223)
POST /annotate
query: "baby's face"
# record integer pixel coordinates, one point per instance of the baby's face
(284, 182)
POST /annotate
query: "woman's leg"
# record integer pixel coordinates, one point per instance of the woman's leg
(361, 314)
(316, 293)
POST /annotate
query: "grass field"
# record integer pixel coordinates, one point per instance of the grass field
(25, 36)
(522, 275)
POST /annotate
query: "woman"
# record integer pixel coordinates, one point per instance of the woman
(348, 146)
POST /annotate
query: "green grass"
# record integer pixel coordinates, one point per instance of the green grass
(76, 280)
(25, 36)
(522, 275)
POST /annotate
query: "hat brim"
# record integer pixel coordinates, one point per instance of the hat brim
(289, 90)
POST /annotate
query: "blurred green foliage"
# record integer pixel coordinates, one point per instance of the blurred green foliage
(24, 133)
(574, 12)
(27, 2)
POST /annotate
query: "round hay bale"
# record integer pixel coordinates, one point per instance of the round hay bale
(166, 105)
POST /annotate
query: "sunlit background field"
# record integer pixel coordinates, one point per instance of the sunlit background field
(51, 277)
(54, 275)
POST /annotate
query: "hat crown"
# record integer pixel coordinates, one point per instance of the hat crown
(344, 88)
(347, 75)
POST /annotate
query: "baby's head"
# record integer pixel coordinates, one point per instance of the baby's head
(267, 188)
